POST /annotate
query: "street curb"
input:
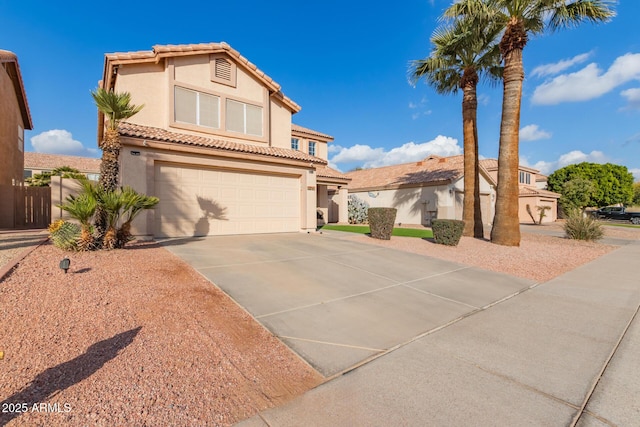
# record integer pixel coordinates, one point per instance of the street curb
(6, 270)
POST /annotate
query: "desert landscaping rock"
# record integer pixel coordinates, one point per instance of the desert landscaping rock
(134, 337)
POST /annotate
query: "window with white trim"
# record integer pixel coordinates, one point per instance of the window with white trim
(243, 118)
(196, 108)
(312, 148)
(20, 138)
(295, 144)
(525, 178)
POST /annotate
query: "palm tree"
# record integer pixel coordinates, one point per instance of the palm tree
(116, 107)
(464, 51)
(521, 18)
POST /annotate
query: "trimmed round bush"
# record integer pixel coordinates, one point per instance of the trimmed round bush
(447, 231)
(381, 222)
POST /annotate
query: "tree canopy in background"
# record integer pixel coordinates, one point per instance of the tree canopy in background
(636, 194)
(44, 179)
(613, 184)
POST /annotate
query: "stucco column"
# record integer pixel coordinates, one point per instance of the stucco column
(323, 203)
(343, 211)
(309, 201)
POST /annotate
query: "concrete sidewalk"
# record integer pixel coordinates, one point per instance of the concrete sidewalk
(563, 353)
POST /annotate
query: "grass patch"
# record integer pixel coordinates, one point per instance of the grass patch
(613, 224)
(364, 229)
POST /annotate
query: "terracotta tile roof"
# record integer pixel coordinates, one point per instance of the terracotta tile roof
(531, 191)
(311, 132)
(157, 134)
(43, 161)
(13, 69)
(489, 164)
(492, 165)
(172, 50)
(325, 171)
(432, 170)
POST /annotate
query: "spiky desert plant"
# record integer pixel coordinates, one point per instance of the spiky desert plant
(357, 209)
(582, 227)
(65, 235)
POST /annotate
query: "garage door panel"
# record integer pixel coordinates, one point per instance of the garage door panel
(197, 201)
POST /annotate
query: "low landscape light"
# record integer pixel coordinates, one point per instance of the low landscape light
(64, 264)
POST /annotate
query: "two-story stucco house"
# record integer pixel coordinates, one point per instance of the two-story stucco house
(531, 192)
(16, 117)
(215, 142)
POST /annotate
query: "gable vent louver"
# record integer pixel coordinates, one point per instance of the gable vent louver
(223, 69)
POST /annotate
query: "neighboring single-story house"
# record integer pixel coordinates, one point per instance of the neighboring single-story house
(36, 163)
(531, 192)
(422, 191)
(215, 142)
(16, 117)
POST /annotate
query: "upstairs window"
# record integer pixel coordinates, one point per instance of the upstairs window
(20, 138)
(312, 148)
(197, 108)
(244, 118)
(295, 144)
(525, 178)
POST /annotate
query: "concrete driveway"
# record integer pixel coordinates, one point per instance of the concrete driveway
(337, 302)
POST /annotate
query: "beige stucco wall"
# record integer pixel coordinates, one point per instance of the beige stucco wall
(280, 125)
(414, 205)
(11, 158)
(534, 202)
(147, 84)
(418, 205)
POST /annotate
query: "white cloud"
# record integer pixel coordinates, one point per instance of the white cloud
(419, 106)
(570, 158)
(588, 83)
(483, 99)
(560, 66)
(60, 141)
(409, 152)
(633, 98)
(636, 174)
(533, 133)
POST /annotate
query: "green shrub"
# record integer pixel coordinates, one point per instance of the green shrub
(580, 227)
(447, 231)
(65, 235)
(357, 210)
(381, 222)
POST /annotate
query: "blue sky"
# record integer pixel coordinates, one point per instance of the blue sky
(345, 63)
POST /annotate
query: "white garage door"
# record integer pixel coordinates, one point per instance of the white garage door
(200, 202)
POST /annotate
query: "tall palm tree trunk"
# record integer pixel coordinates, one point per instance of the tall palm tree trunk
(506, 223)
(471, 213)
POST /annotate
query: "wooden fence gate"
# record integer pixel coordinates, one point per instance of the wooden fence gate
(32, 207)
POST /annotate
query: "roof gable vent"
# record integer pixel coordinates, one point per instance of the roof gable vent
(223, 70)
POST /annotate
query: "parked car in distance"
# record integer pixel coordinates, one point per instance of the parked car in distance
(617, 213)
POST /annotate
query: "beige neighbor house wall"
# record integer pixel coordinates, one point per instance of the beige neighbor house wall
(421, 191)
(532, 192)
(14, 119)
(14, 111)
(210, 179)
